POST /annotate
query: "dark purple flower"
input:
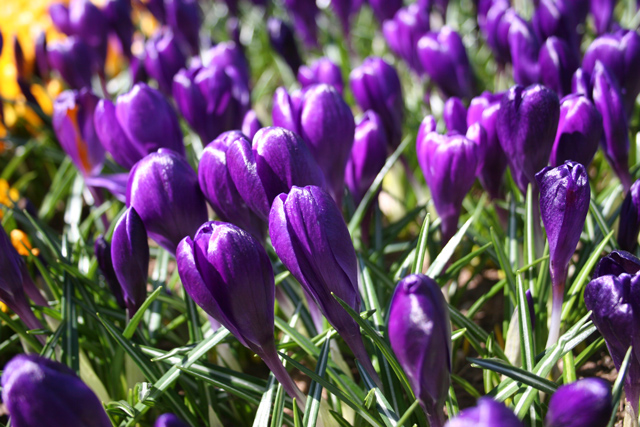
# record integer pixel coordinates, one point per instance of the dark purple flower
(616, 263)
(420, 336)
(629, 225)
(385, 9)
(304, 13)
(41, 60)
(487, 413)
(219, 189)
(35, 389)
(213, 269)
(163, 58)
(169, 420)
(229, 54)
(321, 70)
(284, 43)
(524, 48)
(556, 19)
(164, 191)
(450, 164)
(615, 304)
(325, 122)
(403, 33)
(581, 83)
(311, 238)
(343, 10)
(183, 16)
(251, 124)
(579, 131)
(130, 257)
(59, 14)
(368, 155)
(102, 249)
(376, 86)
(141, 122)
(564, 202)
(118, 13)
(557, 64)
(454, 115)
(526, 127)
(72, 119)
(496, 28)
(615, 138)
(484, 110)
(584, 403)
(91, 25)
(602, 12)
(444, 59)
(72, 59)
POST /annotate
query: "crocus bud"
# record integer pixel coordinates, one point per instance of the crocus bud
(343, 10)
(614, 302)
(183, 16)
(581, 83)
(72, 58)
(449, 164)
(629, 225)
(368, 155)
(616, 263)
(164, 191)
(526, 127)
(284, 43)
(376, 87)
(615, 138)
(304, 14)
(311, 238)
(403, 33)
(555, 19)
(324, 120)
(251, 124)
(90, 24)
(164, 58)
(579, 131)
(385, 9)
(496, 29)
(484, 110)
(212, 99)
(423, 352)
(445, 60)
(130, 255)
(42, 62)
(118, 13)
(59, 14)
(557, 64)
(102, 249)
(322, 70)
(584, 403)
(219, 189)
(226, 54)
(141, 122)
(223, 268)
(455, 115)
(524, 48)
(564, 203)
(487, 413)
(72, 119)
(169, 420)
(35, 389)
(602, 12)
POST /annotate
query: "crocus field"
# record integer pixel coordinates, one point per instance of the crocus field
(319, 213)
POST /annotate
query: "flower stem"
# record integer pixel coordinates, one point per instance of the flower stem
(270, 357)
(556, 312)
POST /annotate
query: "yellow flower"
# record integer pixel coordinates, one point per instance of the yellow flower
(8, 195)
(21, 242)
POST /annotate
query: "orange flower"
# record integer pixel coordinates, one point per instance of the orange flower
(21, 242)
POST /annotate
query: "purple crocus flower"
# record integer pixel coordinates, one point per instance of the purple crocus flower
(163, 58)
(311, 238)
(376, 86)
(322, 70)
(368, 155)
(584, 403)
(564, 202)
(59, 14)
(72, 119)
(35, 388)
(251, 124)
(450, 164)
(324, 120)
(343, 10)
(602, 12)
(581, 83)
(484, 110)
(226, 54)
(524, 48)
(118, 14)
(73, 60)
(495, 28)
(385, 9)
(91, 25)
(130, 257)
(102, 249)
(219, 189)
(212, 99)
(614, 300)
(615, 138)
(169, 420)
(629, 225)
(164, 191)
(423, 352)
(140, 122)
(526, 127)
(404, 31)
(556, 19)
(284, 43)
(557, 64)
(616, 263)
(304, 13)
(487, 413)
(213, 269)
(278, 160)
(41, 60)
(579, 131)
(183, 16)
(444, 59)
(455, 115)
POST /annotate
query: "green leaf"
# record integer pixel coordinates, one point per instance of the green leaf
(517, 374)
(314, 397)
(421, 248)
(135, 320)
(618, 386)
(526, 333)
